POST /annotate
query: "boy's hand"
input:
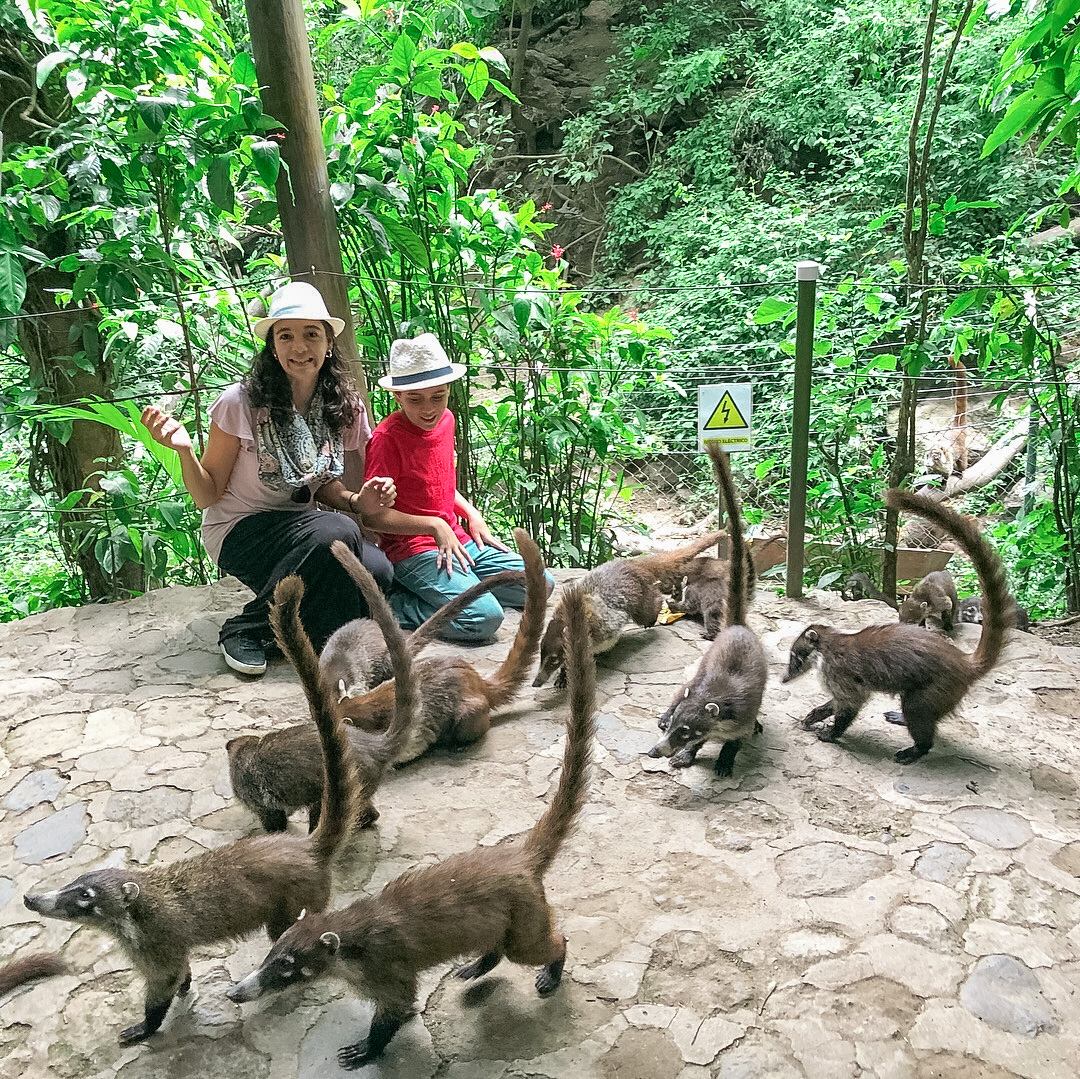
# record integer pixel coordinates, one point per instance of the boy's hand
(481, 535)
(378, 493)
(449, 548)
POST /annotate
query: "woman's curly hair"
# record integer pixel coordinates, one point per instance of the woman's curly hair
(267, 386)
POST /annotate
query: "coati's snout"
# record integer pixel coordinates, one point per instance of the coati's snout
(293, 960)
(103, 894)
(551, 653)
(802, 654)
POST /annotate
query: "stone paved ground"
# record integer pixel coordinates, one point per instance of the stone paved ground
(824, 913)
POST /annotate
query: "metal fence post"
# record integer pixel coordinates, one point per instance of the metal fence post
(806, 277)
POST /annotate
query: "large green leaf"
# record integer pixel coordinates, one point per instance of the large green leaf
(219, 182)
(12, 283)
(267, 157)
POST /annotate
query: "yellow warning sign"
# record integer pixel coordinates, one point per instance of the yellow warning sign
(725, 415)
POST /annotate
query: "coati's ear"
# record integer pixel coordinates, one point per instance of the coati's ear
(686, 693)
(812, 636)
(712, 709)
(130, 891)
(303, 912)
(331, 940)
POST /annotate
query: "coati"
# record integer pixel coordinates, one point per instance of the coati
(722, 700)
(947, 455)
(928, 673)
(355, 657)
(934, 595)
(30, 968)
(282, 771)
(1016, 617)
(704, 593)
(619, 592)
(158, 915)
(455, 700)
(859, 586)
(488, 902)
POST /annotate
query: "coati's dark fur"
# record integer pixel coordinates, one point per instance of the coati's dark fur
(455, 700)
(1016, 617)
(721, 702)
(488, 902)
(282, 771)
(934, 596)
(30, 968)
(947, 455)
(927, 672)
(617, 593)
(859, 586)
(704, 593)
(355, 657)
(158, 915)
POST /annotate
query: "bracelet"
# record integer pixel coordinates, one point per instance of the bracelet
(352, 502)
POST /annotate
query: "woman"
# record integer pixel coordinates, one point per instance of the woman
(291, 434)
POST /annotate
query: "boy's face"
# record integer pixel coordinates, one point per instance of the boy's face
(423, 408)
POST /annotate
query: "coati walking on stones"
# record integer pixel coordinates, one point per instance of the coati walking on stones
(455, 700)
(158, 915)
(722, 700)
(488, 902)
(934, 595)
(619, 592)
(1016, 617)
(355, 657)
(929, 674)
(282, 771)
(30, 968)
(859, 586)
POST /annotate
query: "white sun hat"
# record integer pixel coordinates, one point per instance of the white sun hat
(418, 363)
(299, 300)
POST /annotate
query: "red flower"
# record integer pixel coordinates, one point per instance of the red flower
(557, 251)
(545, 207)
(434, 108)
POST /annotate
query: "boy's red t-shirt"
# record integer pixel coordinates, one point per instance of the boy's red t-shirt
(421, 463)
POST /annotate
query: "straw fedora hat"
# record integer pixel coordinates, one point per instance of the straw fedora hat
(419, 363)
(299, 300)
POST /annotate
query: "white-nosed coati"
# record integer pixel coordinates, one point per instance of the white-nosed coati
(617, 593)
(355, 657)
(947, 455)
(283, 771)
(927, 672)
(30, 968)
(859, 586)
(704, 593)
(158, 915)
(455, 700)
(488, 902)
(722, 700)
(934, 596)
(1016, 617)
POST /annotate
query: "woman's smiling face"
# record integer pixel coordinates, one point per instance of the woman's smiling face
(300, 347)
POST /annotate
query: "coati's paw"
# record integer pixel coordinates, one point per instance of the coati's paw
(724, 769)
(355, 1056)
(548, 980)
(479, 967)
(758, 728)
(810, 722)
(560, 679)
(185, 985)
(134, 1035)
(896, 717)
(684, 758)
(366, 816)
(912, 753)
(828, 734)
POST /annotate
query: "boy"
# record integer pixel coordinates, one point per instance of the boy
(434, 558)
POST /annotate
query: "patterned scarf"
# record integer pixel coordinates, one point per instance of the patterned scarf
(303, 453)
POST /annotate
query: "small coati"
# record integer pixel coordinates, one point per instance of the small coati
(722, 700)
(488, 902)
(617, 593)
(455, 700)
(928, 673)
(704, 593)
(355, 657)
(282, 771)
(859, 586)
(30, 968)
(158, 915)
(934, 595)
(947, 454)
(1016, 617)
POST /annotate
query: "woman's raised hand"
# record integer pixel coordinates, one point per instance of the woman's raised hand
(165, 428)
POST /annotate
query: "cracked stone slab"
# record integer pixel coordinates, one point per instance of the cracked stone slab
(1004, 993)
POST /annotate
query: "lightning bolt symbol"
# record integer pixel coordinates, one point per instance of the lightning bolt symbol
(726, 413)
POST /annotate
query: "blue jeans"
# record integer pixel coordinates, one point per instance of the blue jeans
(421, 588)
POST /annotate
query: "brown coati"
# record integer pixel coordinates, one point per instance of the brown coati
(722, 700)
(927, 672)
(617, 593)
(1016, 617)
(947, 455)
(859, 586)
(282, 771)
(355, 657)
(488, 902)
(30, 968)
(704, 593)
(455, 700)
(158, 915)
(934, 596)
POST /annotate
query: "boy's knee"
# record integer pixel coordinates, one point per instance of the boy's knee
(478, 622)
